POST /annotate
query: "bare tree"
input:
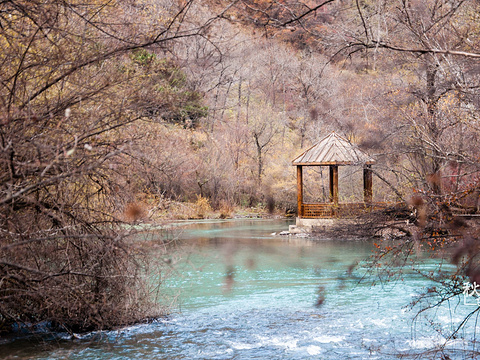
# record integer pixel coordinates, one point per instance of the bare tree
(70, 93)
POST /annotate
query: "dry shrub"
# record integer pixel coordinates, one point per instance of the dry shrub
(170, 210)
(67, 264)
(270, 203)
(75, 281)
(134, 211)
(202, 207)
(226, 209)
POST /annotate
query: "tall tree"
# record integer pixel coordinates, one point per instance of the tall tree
(70, 86)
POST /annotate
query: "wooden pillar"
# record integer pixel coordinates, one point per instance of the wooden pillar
(299, 190)
(367, 185)
(334, 184)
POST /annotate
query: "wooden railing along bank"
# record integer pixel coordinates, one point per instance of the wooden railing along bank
(329, 210)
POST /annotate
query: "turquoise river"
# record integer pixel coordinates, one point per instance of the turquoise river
(238, 290)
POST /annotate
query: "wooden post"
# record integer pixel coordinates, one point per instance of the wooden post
(331, 183)
(367, 185)
(334, 184)
(334, 187)
(299, 190)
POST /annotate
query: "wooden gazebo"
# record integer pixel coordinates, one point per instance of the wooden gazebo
(333, 151)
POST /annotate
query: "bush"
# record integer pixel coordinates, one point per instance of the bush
(78, 279)
(202, 207)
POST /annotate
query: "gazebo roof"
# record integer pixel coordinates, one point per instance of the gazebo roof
(333, 150)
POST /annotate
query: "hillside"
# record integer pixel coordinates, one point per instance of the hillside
(115, 112)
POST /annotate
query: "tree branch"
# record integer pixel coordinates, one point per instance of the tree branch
(309, 11)
(380, 44)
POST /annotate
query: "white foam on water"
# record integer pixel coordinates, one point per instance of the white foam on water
(314, 350)
(288, 342)
(358, 324)
(326, 339)
(244, 346)
(425, 342)
(449, 319)
(379, 322)
(211, 354)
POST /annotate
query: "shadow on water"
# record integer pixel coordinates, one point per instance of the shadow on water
(244, 292)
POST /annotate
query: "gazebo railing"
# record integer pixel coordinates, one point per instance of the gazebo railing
(329, 210)
(316, 211)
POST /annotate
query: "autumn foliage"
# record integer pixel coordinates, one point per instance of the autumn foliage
(115, 112)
